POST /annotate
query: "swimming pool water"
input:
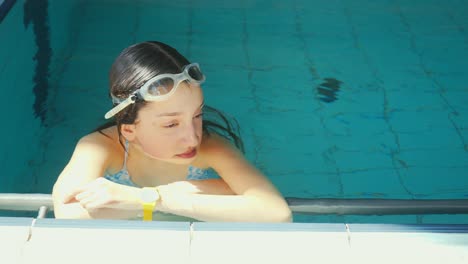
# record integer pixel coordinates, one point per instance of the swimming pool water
(346, 99)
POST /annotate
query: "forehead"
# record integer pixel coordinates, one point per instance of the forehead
(186, 99)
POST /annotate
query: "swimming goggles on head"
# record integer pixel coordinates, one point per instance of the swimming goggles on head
(159, 88)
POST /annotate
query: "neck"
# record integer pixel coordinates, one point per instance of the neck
(139, 156)
(147, 171)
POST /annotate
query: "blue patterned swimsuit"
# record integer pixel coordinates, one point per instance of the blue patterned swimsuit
(194, 173)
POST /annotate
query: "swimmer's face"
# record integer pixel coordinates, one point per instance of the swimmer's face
(170, 130)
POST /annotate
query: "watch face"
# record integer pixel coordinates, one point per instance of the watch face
(149, 195)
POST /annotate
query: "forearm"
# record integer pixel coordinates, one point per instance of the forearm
(224, 208)
(205, 200)
(76, 211)
(210, 186)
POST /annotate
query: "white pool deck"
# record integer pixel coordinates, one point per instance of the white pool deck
(29, 240)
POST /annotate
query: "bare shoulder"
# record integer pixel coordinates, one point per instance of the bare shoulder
(105, 138)
(93, 155)
(216, 147)
(221, 155)
(97, 147)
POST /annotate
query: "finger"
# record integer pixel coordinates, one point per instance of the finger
(69, 200)
(70, 197)
(95, 204)
(91, 199)
(83, 195)
(90, 202)
(90, 186)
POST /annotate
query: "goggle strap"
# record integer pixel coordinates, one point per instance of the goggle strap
(130, 100)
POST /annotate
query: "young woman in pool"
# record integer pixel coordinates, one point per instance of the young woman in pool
(157, 154)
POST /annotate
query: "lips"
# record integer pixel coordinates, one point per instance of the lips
(188, 154)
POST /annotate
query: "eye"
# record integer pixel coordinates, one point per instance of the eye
(200, 115)
(171, 125)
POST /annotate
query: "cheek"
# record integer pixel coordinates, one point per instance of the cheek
(155, 148)
(163, 144)
(156, 144)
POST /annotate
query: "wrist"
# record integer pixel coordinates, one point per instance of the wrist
(173, 201)
(149, 199)
(131, 199)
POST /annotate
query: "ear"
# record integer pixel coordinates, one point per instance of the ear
(128, 131)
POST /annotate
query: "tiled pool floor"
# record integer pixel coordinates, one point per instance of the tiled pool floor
(334, 98)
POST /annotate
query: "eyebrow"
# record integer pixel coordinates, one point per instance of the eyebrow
(178, 113)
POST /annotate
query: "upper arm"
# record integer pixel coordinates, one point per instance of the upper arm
(89, 161)
(244, 179)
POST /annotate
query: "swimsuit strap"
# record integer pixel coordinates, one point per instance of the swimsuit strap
(126, 155)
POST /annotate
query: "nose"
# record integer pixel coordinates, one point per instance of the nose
(191, 137)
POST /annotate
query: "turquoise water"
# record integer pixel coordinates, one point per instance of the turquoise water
(347, 99)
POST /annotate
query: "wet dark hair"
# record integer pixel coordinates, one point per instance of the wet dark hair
(140, 62)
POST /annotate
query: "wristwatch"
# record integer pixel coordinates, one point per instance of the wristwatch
(149, 198)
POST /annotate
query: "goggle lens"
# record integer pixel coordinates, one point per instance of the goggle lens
(195, 73)
(161, 87)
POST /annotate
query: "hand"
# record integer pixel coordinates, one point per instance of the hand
(102, 193)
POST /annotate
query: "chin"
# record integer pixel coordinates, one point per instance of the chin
(184, 161)
(174, 159)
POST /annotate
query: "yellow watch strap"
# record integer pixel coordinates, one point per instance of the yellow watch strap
(148, 207)
(148, 211)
